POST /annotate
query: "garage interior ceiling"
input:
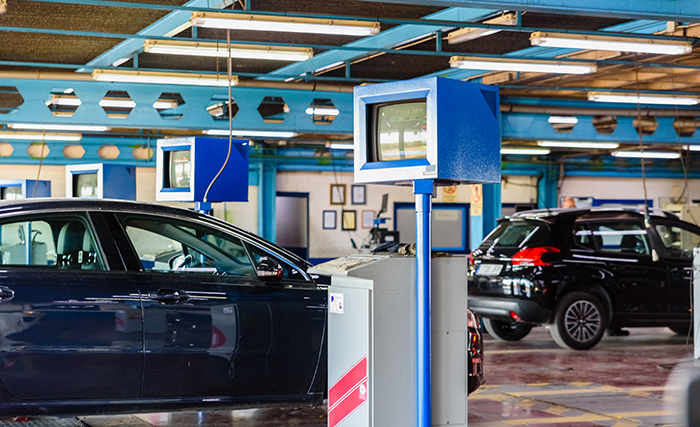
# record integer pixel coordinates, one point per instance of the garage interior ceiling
(72, 38)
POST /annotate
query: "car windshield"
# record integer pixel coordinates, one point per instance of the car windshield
(511, 236)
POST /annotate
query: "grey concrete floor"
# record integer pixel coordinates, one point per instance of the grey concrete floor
(622, 382)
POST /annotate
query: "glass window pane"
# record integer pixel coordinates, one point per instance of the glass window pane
(679, 242)
(584, 237)
(65, 243)
(175, 246)
(621, 237)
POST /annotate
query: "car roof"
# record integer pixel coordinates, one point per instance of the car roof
(595, 212)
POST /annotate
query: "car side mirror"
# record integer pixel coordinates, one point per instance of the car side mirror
(269, 270)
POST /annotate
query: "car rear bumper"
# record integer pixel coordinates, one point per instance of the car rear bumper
(500, 308)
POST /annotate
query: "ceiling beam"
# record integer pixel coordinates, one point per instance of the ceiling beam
(169, 25)
(386, 39)
(662, 10)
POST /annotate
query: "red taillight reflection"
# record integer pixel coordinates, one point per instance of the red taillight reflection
(533, 256)
(471, 259)
(515, 316)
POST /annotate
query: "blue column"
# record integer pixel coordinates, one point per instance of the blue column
(481, 225)
(423, 189)
(547, 193)
(267, 193)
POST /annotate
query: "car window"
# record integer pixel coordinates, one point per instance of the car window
(518, 234)
(583, 236)
(61, 243)
(678, 241)
(175, 246)
(621, 237)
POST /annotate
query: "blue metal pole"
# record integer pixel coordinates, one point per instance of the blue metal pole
(423, 189)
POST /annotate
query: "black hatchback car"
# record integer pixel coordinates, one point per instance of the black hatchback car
(582, 271)
(110, 306)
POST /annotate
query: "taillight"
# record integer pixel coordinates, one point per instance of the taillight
(471, 320)
(471, 258)
(533, 256)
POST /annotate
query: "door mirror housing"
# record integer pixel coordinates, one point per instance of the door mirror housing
(269, 270)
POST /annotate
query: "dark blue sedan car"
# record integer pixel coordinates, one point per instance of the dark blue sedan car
(111, 306)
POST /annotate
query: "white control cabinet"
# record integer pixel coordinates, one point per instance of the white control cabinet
(372, 341)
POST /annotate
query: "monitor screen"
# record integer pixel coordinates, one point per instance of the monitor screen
(180, 169)
(85, 185)
(11, 193)
(400, 131)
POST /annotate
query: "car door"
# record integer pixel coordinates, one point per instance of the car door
(70, 317)
(678, 241)
(211, 327)
(637, 285)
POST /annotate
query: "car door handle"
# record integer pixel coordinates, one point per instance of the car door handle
(169, 296)
(6, 294)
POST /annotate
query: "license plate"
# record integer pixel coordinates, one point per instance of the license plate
(489, 269)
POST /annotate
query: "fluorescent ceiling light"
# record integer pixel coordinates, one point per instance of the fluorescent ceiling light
(117, 103)
(565, 120)
(75, 128)
(40, 136)
(163, 104)
(236, 21)
(67, 100)
(464, 34)
(322, 111)
(633, 98)
(579, 144)
(615, 43)
(647, 154)
(525, 65)
(220, 50)
(251, 133)
(526, 151)
(338, 146)
(127, 76)
(692, 147)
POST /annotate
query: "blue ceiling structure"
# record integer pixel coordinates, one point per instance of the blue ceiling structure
(408, 46)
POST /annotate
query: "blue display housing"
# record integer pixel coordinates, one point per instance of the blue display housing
(28, 187)
(462, 132)
(205, 159)
(113, 181)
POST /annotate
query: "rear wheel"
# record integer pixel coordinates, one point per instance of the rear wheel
(579, 322)
(504, 330)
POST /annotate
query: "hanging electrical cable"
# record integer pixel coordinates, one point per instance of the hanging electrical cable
(230, 115)
(647, 220)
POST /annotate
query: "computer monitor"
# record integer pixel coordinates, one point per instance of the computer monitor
(399, 130)
(101, 181)
(180, 168)
(188, 168)
(11, 192)
(85, 185)
(432, 128)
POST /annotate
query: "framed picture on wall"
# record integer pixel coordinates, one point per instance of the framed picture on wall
(358, 194)
(367, 219)
(337, 194)
(349, 220)
(329, 220)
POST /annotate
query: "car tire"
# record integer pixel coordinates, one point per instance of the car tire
(503, 330)
(579, 322)
(680, 330)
